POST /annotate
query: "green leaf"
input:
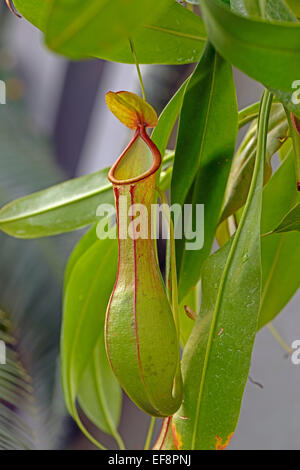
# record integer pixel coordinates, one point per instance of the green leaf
(86, 297)
(291, 221)
(280, 252)
(77, 28)
(176, 37)
(269, 9)
(203, 154)
(216, 363)
(35, 11)
(88, 239)
(190, 302)
(98, 389)
(294, 6)
(242, 168)
(162, 32)
(167, 119)
(58, 209)
(99, 394)
(266, 51)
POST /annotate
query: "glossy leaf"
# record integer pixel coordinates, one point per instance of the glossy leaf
(99, 394)
(167, 120)
(280, 252)
(291, 221)
(203, 154)
(76, 28)
(58, 209)
(88, 239)
(269, 9)
(188, 313)
(98, 389)
(35, 11)
(266, 51)
(86, 297)
(242, 168)
(216, 364)
(176, 37)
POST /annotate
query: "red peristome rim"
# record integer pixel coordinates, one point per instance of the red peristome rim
(140, 132)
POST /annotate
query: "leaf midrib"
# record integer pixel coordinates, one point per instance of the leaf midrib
(207, 118)
(76, 199)
(78, 24)
(221, 293)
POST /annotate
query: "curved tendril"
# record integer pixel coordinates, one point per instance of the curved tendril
(12, 8)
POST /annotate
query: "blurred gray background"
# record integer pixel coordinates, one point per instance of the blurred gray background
(66, 103)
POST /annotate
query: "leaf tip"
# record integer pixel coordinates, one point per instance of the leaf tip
(221, 444)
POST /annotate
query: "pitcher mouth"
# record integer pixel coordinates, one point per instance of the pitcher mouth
(140, 133)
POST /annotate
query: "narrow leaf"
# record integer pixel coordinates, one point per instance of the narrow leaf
(268, 51)
(204, 150)
(58, 209)
(99, 394)
(291, 221)
(242, 168)
(269, 9)
(210, 411)
(280, 252)
(86, 297)
(188, 310)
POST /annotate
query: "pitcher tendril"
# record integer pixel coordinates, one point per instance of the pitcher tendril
(137, 65)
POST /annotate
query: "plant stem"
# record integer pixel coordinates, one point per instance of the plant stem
(250, 113)
(262, 6)
(279, 339)
(247, 115)
(149, 434)
(114, 432)
(137, 68)
(85, 431)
